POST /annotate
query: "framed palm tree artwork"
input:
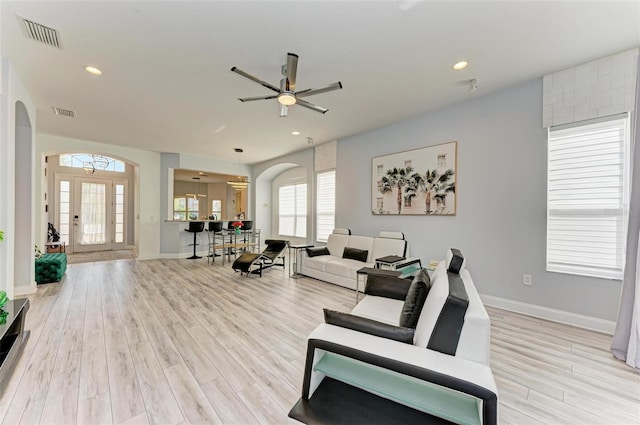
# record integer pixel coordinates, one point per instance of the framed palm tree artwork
(416, 182)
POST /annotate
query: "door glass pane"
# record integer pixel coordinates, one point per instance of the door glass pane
(63, 210)
(93, 214)
(119, 215)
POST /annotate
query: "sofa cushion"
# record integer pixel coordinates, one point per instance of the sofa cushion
(415, 299)
(381, 309)
(317, 263)
(317, 251)
(336, 244)
(361, 242)
(387, 286)
(344, 267)
(355, 254)
(372, 327)
(388, 246)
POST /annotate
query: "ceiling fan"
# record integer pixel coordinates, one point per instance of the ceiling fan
(287, 94)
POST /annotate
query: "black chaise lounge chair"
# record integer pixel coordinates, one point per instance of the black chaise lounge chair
(273, 255)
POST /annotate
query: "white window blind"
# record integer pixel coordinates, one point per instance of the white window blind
(293, 210)
(587, 187)
(325, 205)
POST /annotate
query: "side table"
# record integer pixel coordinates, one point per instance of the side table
(295, 260)
(52, 247)
(365, 271)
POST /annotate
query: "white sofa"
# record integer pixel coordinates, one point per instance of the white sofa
(333, 268)
(444, 372)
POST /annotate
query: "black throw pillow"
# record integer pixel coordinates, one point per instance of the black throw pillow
(416, 296)
(371, 327)
(355, 254)
(317, 251)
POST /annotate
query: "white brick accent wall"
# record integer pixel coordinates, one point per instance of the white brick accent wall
(594, 89)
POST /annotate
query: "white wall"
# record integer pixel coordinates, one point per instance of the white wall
(501, 192)
(14, 91)
(148, 187)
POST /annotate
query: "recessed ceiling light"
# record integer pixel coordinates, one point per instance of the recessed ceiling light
(460, 65)
(92, 70)
(295, 133)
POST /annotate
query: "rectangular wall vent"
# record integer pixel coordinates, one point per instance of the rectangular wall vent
(64, 112)
(41, 33)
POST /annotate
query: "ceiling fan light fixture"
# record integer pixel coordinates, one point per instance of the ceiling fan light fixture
(286, 99)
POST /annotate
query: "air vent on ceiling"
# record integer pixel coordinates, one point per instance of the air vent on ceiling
(64, 112)
(41, 33)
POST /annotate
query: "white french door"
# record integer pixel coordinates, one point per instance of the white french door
(91, 213)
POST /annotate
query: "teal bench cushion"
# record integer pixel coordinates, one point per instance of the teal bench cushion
(51, 267)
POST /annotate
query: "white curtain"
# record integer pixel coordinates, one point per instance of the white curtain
(626, 340)
(93, 214)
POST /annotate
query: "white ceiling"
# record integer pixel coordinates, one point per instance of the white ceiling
(167, 86)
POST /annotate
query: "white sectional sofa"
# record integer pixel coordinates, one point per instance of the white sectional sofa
(333, 268)
(358, 370)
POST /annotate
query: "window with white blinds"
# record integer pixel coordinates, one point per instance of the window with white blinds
(325, 205)
(293, 210)
(587, 192)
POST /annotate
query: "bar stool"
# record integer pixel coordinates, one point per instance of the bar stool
(246, 231)
(215, 228)
(195, 227)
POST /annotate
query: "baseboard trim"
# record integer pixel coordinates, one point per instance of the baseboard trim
(560, 316)
(25, 289)
(177, 255)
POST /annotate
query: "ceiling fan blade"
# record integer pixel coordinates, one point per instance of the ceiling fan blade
(249, 99)
(292, 70)
(255, 79)
(311, 92)
(311, 106)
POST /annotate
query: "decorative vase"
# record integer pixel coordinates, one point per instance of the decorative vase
(237, 230)
(3, 298)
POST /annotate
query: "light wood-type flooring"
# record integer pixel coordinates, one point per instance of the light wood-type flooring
(179, 342)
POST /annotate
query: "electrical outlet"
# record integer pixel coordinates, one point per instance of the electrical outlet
(527, 279)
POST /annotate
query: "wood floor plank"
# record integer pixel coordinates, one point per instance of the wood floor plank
(233, 373)
(95, 410)
(194, 404)
(227, 403)
(126, 398)
(262, 406)
(161, 405)
(94, 377)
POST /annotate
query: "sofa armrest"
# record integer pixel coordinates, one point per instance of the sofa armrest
(369, 326)
(449, 372)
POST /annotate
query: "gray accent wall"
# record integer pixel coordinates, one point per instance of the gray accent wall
(500, 224)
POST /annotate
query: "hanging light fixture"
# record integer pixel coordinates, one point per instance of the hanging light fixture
(93, 162)
(240, 182)
(195, 195)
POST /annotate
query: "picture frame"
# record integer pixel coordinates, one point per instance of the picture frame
(416, 182)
